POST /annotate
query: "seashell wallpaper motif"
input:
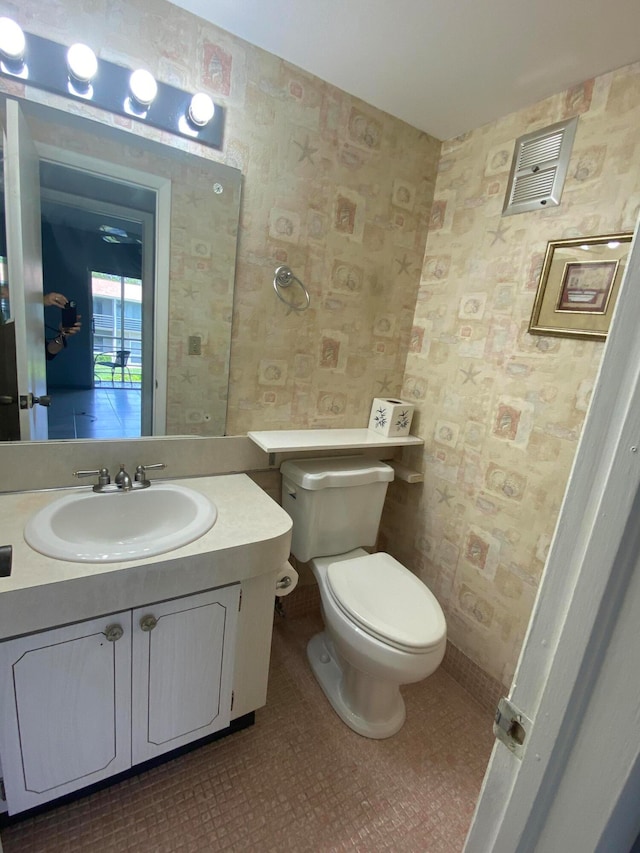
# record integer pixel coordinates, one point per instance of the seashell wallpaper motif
(419, 290)
(501, 410)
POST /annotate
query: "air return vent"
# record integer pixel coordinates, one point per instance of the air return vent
(539, 167)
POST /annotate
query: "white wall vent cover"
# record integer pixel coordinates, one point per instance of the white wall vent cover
(539, 167)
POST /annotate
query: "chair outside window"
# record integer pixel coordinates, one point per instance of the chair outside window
(115, 361)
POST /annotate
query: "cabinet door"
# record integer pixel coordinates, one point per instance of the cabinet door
(183, 653)
(65, 709)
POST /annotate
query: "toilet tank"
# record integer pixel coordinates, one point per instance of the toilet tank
(335, 504)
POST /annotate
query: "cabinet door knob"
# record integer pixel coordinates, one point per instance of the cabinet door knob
(148, 623)
(113, 632)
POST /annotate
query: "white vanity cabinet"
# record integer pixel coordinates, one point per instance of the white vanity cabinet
(89, 700)
(66, 709)
(183, 653)
(77, 707)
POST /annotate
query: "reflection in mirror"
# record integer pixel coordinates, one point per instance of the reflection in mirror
(9, 418)
(5, 307)
(99, 255)
(134, 233)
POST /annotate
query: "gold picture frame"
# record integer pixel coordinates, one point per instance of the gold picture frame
(579, 285)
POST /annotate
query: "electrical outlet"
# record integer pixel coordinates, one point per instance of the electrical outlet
(195, 345)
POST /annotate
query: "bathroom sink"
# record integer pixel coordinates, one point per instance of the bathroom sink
(118, 526)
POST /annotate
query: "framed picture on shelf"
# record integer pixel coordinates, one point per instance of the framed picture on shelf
(579, 285)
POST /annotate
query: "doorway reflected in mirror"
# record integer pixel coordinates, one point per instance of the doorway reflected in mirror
(96, 382)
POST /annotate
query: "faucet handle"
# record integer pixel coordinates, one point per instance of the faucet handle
(142, 469)
(103, 477)
(102, 473)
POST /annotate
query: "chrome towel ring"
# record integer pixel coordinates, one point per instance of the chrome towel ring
(284, 278)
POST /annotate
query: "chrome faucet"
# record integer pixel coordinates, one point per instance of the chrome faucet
(123, 480)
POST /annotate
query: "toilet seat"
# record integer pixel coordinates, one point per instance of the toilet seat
(387, 601)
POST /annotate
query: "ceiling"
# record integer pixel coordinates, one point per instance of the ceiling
(443, 66)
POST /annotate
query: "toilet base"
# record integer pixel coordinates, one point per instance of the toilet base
(333, 682)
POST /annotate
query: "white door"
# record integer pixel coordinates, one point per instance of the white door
(578, 677)
(24, 266)
(65, 709)
(183, 653)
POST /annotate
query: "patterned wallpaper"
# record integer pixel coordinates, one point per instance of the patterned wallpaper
(343, 194)
(338, 190)
(501, 410)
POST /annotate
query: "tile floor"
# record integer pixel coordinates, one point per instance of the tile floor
(97, 413)
(298, 780)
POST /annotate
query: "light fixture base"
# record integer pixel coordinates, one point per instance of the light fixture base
(45, 67)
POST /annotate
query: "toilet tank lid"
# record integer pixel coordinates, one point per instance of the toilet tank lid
(335, 472)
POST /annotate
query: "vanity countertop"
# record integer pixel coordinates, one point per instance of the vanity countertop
(251, 535)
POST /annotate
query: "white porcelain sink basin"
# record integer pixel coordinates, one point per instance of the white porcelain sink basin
(116, 526)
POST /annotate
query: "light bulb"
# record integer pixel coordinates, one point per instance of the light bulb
(201, 109)
(143, 87)
(12, 40)
(613, 244)
(81, 62)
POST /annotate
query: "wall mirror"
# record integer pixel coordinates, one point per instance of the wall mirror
(142, 238)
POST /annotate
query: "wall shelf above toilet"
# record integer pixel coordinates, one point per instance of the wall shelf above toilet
(304, 440)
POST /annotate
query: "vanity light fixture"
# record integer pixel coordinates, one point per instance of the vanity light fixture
(143, 87)
(12, 41)
(82, 63)
(77, 73)
(83, 66)
(201, 109)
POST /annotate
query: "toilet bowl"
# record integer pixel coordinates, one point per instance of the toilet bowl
(366, 651)
(383, 626)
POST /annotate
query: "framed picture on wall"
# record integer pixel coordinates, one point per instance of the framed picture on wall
(579, 285)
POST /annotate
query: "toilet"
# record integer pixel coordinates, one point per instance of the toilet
(383, 626)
